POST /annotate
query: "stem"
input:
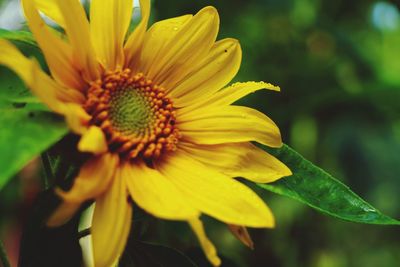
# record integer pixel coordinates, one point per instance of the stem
(3, 256)
(47, 170)
(84, 233)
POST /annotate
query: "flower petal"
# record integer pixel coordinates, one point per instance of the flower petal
(214, 193)
(239, 160)
(228, 124)
(239, 90)
(109, 22)
(159, 34)
(93, 141)
(58, 53)
(191, 44)
(111, 223)
(77, 29)
(213, 73)
(49, 92)
(77, 118)
(63, 213)
(93, 180)
(207, 246)
(231, 94)
(135, 40)
(154, 193)
(50, 9)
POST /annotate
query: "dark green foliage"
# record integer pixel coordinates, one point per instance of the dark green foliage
(311, 185)
(143, 254)
(48, 247)
(28, 128)
(29, 131)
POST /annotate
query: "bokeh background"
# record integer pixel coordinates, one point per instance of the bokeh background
(338, 64)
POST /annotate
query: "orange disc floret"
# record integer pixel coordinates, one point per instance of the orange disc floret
(136, 116)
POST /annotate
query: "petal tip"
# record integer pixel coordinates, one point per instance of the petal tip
(211, 11)
(269, 221)
(63, 214)
(234, 43)
(93, 141)
(287, 172)
(263, 219)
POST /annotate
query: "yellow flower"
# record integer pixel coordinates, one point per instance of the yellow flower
(151, 112)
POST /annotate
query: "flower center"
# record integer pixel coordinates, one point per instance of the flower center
(136, 116)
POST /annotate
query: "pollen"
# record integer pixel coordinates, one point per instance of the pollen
(136, 116)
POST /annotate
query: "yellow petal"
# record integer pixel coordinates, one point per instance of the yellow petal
(49, 92)
(159, 34)
(76, 118)
(58, 54)
(241, 234)
(213, 73)
(50, 9)
(93, 141)
(214, 193)
(207, 246)
(93, 180)
(111, 223)
(191, 44)
(238, 90)
(135, 41)
(228, 124)
(154, 193)
(239, 160)
(109, 22)
(230, 95)
(77, 29)
(63, 213)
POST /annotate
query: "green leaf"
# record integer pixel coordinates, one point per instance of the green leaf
(313, 186)
(27, 126)
(3, 256)
(11, 86)
(21, 36)
(27, 130)
(12, 89)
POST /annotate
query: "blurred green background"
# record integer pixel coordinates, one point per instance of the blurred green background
(338, 64)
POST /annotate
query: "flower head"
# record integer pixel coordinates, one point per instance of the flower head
(151, 111)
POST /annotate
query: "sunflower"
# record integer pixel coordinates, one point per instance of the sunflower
(152, 111)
